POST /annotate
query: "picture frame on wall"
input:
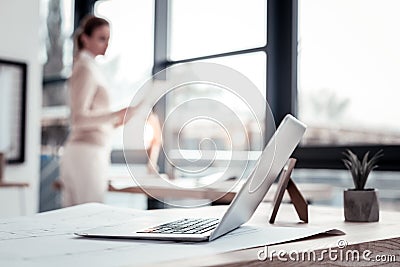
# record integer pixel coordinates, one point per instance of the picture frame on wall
(13, 87)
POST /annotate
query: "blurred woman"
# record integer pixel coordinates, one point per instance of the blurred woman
(85, 160)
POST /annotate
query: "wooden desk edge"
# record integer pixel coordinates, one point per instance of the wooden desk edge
(159, 192)
(13, 184)
(248, 257)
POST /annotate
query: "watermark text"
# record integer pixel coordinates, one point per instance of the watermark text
(339, 253)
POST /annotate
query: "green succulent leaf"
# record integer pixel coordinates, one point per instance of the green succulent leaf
(360, 170)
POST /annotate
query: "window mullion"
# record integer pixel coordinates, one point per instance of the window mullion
(282, 57)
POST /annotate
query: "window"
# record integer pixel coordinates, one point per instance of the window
(348, 59)
(231, 33)
(343, 87)
(252, 65)
(348, 64)
(129, 58)
(201, 28)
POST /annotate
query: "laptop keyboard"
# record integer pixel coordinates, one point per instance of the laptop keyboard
(184, 226)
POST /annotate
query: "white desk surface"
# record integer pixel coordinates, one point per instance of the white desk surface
(47, 239)
(381, 238)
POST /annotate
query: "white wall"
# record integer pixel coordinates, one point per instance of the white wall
(19, 31)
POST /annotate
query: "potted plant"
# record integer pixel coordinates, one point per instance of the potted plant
(360, 203)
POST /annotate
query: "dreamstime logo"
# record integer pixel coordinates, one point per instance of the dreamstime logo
(215, 117)
(339, 253)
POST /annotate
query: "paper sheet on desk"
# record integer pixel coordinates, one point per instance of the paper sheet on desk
(47, 240)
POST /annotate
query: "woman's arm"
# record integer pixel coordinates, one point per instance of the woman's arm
(156, 143)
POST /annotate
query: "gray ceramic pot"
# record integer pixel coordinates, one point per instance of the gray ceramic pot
(361, 205)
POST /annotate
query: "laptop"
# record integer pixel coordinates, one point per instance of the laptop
(271, 162)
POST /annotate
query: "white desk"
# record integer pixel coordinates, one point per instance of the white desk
(47, 240)
(381, 238)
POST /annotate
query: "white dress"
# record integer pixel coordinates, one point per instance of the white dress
(85, 159)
